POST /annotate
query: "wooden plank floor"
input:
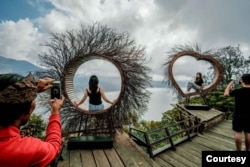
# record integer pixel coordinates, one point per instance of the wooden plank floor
(126, 153)
(216, 138)
(204, 115)
(207, 117)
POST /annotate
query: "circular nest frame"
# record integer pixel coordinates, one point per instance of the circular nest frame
(218, 70)
(73, 48)
(69, 73)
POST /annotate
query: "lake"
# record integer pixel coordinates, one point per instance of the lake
(160, 101)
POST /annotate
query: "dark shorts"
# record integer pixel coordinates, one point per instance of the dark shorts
(241, 123)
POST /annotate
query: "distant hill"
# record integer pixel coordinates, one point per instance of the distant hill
(8, 65)
(108, 83)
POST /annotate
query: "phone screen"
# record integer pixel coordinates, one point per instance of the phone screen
(56, 90)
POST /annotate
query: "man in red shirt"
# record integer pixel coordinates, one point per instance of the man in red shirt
(17, 102)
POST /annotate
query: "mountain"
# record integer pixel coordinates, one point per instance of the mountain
(8, 65)
(107, 83)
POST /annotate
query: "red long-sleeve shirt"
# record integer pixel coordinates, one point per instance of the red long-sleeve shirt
(17, 151)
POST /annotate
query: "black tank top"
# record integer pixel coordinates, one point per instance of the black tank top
(199, 82)
(95, 97)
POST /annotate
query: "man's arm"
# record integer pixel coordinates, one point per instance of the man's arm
(48, 149)
(227, 90)
(44, 84)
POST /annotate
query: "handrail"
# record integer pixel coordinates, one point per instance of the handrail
(144, 136)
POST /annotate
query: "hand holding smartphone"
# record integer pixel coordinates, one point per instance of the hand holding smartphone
(56, 90)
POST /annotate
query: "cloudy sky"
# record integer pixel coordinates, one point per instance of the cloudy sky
(158, 25)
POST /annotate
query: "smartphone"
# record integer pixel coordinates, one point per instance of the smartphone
(56, 90)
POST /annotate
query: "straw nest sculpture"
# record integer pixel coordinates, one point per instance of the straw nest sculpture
(67, 51)
(180, 51)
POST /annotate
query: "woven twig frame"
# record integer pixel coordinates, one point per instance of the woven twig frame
(70, 70)
(188, 51)
(69, 50)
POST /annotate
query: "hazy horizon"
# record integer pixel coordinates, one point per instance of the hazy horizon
(160, 101)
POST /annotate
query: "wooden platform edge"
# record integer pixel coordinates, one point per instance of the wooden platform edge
(214, 121)
(137, 147)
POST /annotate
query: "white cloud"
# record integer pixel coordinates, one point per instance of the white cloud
(20, 40)
(99, 68)
(156, 25)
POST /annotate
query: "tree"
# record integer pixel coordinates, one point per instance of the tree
(35, 127)
(233, 62)
(219, 101)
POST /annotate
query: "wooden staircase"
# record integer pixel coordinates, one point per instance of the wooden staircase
(208, 118)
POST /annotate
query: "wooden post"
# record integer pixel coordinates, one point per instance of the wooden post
(187, 128)
(200, 127)
(79, 130)
(187, 100)
(170, 138)
(203, 96)
(149, 146)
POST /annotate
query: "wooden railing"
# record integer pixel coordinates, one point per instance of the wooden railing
(167, 137)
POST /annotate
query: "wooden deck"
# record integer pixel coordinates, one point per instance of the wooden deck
(208, 117)
(126, 153)
(219, 138)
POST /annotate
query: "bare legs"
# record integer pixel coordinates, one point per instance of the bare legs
(247, 141)
(238, 141)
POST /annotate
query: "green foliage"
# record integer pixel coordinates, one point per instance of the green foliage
(148, 125)
(170, 116)
(234, 63)
(35, 127)
(133, 118)
(217, 100)
(156, 130)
